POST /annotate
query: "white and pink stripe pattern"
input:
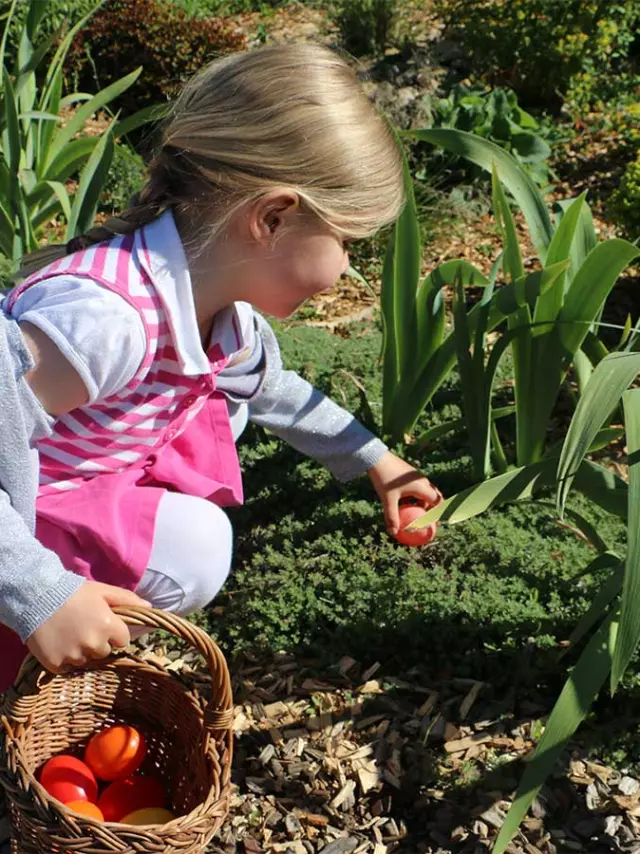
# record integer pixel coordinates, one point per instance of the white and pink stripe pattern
(114, 434)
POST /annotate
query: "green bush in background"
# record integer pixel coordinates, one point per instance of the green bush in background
(168, 44)
(209, 8)
(548, 49)
(366, 26)
(625, 201)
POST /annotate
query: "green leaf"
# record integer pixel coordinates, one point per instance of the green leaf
(456, 424)
(549, 305)
(585, 239)
(5, 34)
(514, 485)
(604, 597)
(629, 633)
(11, 142)
(603, 487)
(71, 158)
(512, 256)
(472, 382)
(485, 154)
(432, 372)
(578, 694)
(76, 123)
(590, 287)
(141, 117)
(530, 147)
(400, 279)
(602, 394)
(61, 194)
(92, 180)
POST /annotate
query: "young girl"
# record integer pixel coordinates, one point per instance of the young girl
(145, 357)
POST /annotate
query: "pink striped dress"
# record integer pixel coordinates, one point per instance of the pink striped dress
(107, 464)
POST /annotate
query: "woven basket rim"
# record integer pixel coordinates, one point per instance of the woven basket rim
(216, 720)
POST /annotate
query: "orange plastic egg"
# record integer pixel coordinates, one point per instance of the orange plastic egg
(85, 808)
(407, 514)
(129, 795)
(115, 752)
(150, 816)
(69, 779)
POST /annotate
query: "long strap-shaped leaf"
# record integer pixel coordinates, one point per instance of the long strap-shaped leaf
(430, 375)
(516, 180)
(599, 484)
(92, 180)
(76, 123)
(629, 633)
(400, 279)
(611, 377)
(578, 694)
(549, 305)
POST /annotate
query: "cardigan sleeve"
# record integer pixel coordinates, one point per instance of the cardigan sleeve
(306, 419)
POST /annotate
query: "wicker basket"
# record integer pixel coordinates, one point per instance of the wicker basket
(189, 746)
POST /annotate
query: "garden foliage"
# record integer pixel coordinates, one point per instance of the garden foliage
(625, 202)
(546, 317)
(366, 26)
(160, 37)
(494, 114)
(545, 49)
(611, 623)
(41, 148)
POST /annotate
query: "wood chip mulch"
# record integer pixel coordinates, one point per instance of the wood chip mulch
(350, 759)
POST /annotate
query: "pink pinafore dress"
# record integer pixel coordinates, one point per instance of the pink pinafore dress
(107, 464)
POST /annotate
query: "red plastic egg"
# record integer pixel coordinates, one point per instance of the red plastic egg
(69, 779)
(129, 795)
(407, 514)
(115, 752)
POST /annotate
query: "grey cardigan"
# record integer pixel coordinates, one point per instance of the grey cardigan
(33, 582)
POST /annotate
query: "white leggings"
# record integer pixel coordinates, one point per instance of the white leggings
(191, 554)
(192, 547)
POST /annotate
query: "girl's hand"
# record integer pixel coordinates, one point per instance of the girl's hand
(393, 479)
(84, 629)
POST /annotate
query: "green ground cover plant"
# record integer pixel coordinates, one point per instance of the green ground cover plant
(316, 571)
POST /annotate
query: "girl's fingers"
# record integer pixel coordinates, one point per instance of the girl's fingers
(390, 506)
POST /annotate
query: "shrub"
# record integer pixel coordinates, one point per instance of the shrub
(494, 114)
(161, 38)
(625, 202)
(366, 26)
(125, 177)
(544, 48)
(209, 8)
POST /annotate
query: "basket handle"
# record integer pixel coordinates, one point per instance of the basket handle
(218, 716)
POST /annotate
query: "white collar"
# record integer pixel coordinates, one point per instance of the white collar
(161, 253)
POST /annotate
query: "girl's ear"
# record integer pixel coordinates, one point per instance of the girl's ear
(267, 216)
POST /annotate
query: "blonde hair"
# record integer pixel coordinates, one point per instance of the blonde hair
(288, 115)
